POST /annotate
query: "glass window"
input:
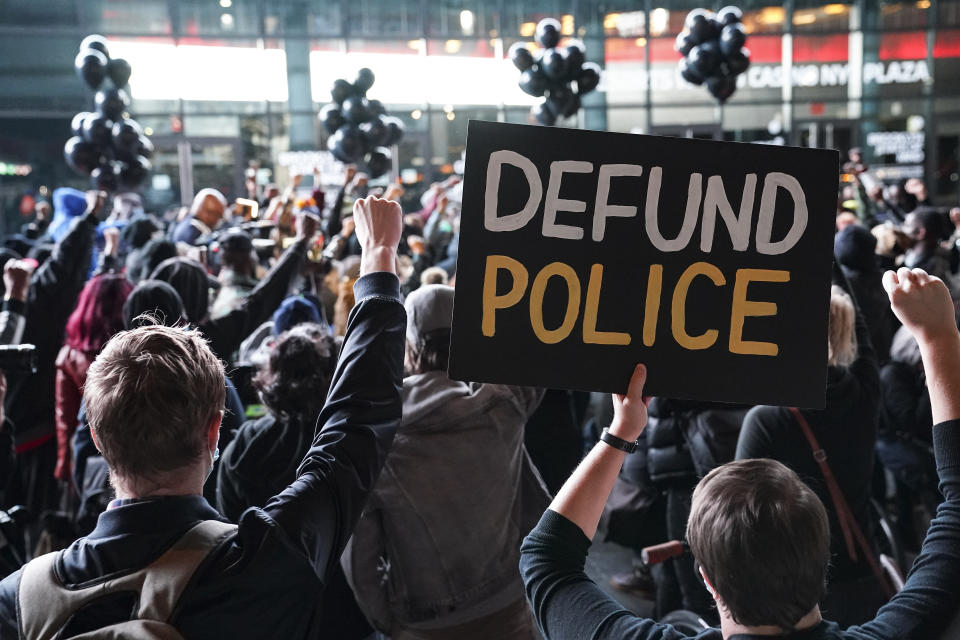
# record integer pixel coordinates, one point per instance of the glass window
(227, 17)
(31, 13)
(384, 18)
(521, 18)
(148, 16)
(948, 12)
(464, 18)
(813, 16)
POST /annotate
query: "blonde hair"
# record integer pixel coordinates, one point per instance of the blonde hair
(842, 338)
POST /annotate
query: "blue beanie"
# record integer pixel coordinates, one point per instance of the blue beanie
(67, 204)
(293, 311)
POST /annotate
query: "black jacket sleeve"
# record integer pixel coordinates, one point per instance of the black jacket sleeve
(227, 332)
(320, 509)
(334, 221)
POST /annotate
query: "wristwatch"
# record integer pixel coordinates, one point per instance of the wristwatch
(619, 443)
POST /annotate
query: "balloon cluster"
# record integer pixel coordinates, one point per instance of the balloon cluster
(713, 48)
(107, 146)
(360, 128)
(552, 73)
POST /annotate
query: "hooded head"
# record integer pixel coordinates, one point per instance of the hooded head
(149, 257)
(190, 280)
(429, 319)
(293, 311)
(855, 248)
(67, 204)
(156, 298)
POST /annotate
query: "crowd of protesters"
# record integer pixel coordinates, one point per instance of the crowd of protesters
(265, 391)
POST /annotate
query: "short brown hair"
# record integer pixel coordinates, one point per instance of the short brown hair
(150, 395)
(763, 539)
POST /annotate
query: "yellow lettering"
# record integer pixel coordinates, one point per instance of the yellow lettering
(679, 320)
(743, 308)
(492, 301)
(590, 333)
(553, 336)
(652, 309)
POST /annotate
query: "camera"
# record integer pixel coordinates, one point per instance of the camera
(21, 358)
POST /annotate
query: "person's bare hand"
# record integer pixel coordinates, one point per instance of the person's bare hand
(921, 302)
(955, 217)
(413, 220)
(442, 203)
(360, 181)
(348, 173)
(95, 200)
(379, 224)
(111, 240)
(916, 187)
(630, 410)
(16, 279)
(347, 227)
(393, 192)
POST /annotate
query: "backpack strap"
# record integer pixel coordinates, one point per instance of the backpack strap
(45, 605)
(848, 522)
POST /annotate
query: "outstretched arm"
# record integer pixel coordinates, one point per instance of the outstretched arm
(357, 424)
(929, 599)
(565, 602)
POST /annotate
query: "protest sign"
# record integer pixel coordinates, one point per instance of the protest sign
(582, 253)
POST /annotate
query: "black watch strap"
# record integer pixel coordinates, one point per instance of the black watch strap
(619, 443)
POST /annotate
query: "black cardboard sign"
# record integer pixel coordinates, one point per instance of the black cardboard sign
(582, 253)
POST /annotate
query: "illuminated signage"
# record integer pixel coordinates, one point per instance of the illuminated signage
(10, 169)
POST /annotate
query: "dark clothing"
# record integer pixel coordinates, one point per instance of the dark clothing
(267, 579)
(875, 305)
(906, 401)
(568, 605)
(552, 435)
(72, 365)
(189, 230)
(227, 332)
(51, 297)
(846, 430)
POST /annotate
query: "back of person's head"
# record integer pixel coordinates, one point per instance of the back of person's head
(926, 224)
(19, 243)
(842, 337)
(155, 251)
(151, 396)
(153, 302)
(429, 320)
(293, 311)
(236, 247)
(855, 248)
(190, 280)
(99, 312)
(434, 275)
(295, 379)
(139, 231)
(208, 206)
(762, 538)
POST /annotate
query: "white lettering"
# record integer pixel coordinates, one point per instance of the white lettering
(555, 203)
(514, 221)
(768, 204)
(603, 209)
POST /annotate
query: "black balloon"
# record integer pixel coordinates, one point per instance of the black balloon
(112, 102)
(729, 15)
(395, 130)
(376, 131)
(548, 33)
(554, 64)
(379, 162)
(376, 108)
(364, 80)
(119, 71)
(145, 147)
(702, 25)
(98, 130)
(732, 38)
(576, 55)
(332, 118)
(684, 43)
(104, 177)
(533, 82)
(341, 90)
(97, 42)
(589, 78)
(126, 133)
(738, 61)
(688, 73)
(80, 155)
(543, 114)
(721, 87)
(355, 109)
(76, 125)
(704, 58)
(134, 172)
(91, 66)
(520, 56)
(558, 99)
(347, 144)
(571, 106)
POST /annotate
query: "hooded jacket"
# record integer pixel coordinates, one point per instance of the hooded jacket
(429, 558)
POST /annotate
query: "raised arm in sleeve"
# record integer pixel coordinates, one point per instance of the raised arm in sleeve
(13, 319)
(227, 332)
(356, 427)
